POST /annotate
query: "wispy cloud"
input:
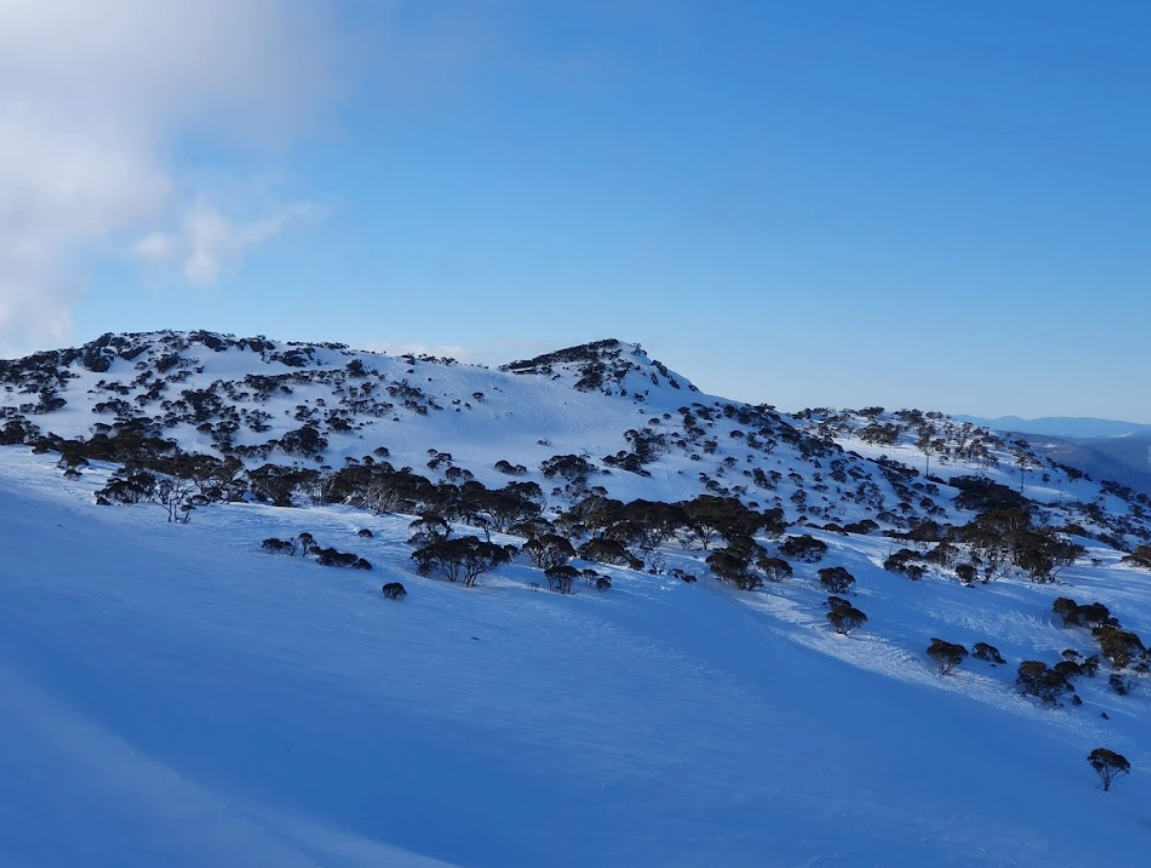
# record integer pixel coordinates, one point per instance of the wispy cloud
(92, 97)
(208, 241)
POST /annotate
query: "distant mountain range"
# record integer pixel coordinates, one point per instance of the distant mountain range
(1104, 448)
(1078, 427)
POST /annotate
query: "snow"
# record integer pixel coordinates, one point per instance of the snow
(171, 695)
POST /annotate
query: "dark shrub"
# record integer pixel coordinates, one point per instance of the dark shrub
(947, 655)
(836, 580)
(805, 548)
(279, 546)
(775, 569)
(1035, 679)
(846, 618)
(1121, 647)
(1108, 765)
(394, 591)
(465, 557)
(561, 578)
(1119, 684)
(983, 651)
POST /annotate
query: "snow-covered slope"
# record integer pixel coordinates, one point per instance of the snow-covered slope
(171, 695)
(645, 431)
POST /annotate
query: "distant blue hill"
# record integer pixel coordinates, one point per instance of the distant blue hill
(1062, 426)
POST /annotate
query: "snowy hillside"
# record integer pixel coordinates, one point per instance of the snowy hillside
(173, 695)
(635, 429)
(733, 669)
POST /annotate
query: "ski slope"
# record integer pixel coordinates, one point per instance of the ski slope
(171, 695)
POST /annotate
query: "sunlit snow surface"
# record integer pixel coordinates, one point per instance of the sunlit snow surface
(171, 695)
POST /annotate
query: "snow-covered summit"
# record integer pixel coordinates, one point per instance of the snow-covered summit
(610, 366)
(598, 418)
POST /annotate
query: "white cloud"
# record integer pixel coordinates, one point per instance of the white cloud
(208, 241)
(92, 96)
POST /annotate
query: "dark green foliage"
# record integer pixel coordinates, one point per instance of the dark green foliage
(1121, 647)
(1069, 669)
(561, 578)
(549, 550)
(806, 548)
(846, 618)
(1090, 666)
(1119, 684)
(305, 441)
(708, 517)
(775, 569)
(989, 653)
(394, 591)
(1108, 765)
(901, 562)
(980, 495)
(734, 568)
(947, 655)
(836, 580)
(1002, 538)
(928, 531)
(966, 573)
(1141, 557)
(1035, 679)
(569, 467)
(279, 546)
(428, 528)
(513, 504)
(609, 551)
(465, 558)
(278, 484)
(1089, 615)
(330, 557)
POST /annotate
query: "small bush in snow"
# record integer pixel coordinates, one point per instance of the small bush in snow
(776, 569)
(1120, 685)
(1035, 679)
(394, 591)
(806, 548)
(1141, 557)
(561, 578)
(846, 618)
(983, 651)
(279, 546)
(947, 655)
(1121, 647)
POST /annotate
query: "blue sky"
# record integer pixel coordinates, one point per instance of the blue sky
(826, 203)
